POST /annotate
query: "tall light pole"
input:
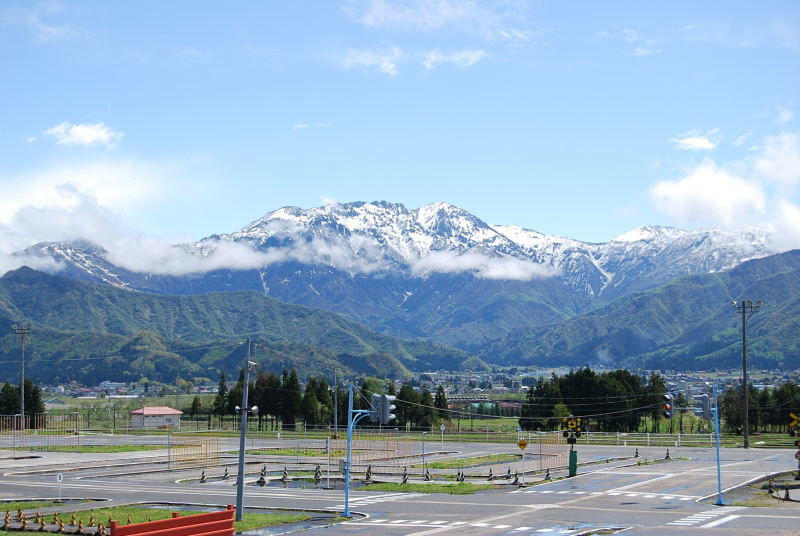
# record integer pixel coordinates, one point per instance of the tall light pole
(22, 331)
(744, 307)
(243, 410)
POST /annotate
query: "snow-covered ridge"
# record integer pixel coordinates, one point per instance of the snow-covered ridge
(408, 238)
(369, 238)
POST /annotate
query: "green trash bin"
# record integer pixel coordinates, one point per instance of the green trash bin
(573, 462)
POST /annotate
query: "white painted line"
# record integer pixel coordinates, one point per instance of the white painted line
(502, 526)
(396, 521)
(548, 491)
(580, 492)
(560, 492)
(456, 523)
(545, 530)
(479, 524)
(649, 496)
(438, 522)
(636, 494)
(667, 497)
(719, 521)
(420, 521)
(521, 529)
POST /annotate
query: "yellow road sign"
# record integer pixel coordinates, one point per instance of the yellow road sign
(571, 423)
(796, 420)
(522, 443)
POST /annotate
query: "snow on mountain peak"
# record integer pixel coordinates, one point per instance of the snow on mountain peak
(650, 232)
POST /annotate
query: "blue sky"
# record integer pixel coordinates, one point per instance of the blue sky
(176, 120)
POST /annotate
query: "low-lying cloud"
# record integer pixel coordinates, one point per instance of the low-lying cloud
(480, 265)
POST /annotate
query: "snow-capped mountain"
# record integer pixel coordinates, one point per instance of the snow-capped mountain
(437, 271)
(397, 238)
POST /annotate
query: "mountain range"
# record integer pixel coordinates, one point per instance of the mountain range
(507, 294)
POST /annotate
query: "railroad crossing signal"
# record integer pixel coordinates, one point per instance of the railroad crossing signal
(571, 428)
(795, 420)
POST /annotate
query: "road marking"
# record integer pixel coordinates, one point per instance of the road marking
(707, 515)
(614, 494)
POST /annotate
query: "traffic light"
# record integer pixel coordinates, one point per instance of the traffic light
(375, 402)
(705, 400)
(386, 408)
(667, 406)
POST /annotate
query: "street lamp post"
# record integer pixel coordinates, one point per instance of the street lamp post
(744, 307)
(243, 411)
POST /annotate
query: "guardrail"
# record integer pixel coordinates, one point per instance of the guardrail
(212, 524)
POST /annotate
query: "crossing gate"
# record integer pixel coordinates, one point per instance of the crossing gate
(212, 524)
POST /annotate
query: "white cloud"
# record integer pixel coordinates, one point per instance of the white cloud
(465, 58)
(304, 126)
(118, 185)
(784, 115)
(641, 51)
(697, 140)
(643, 46)
(36, 19)
(779, 160)
(787, 225)
(741, 139)
(480, 265)
(369, 60)
(709, 194)
(468, 15)
(84, 134)
(30, 139)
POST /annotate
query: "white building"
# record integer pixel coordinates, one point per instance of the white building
(156, 417)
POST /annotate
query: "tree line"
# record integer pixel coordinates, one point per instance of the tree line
(613, 401)
(282, 399)
(9, 400)
(768, 409)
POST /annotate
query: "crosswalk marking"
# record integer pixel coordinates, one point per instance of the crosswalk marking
(555, 530)
(706, 517)
(611, 494)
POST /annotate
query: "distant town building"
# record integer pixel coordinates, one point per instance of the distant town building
(156, 417)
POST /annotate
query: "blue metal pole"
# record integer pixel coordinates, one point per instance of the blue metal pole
(720, 500)
(353, 416)
(347, 464)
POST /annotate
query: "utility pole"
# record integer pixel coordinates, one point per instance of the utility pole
(744, 307)
(335, 405)
(22, 332)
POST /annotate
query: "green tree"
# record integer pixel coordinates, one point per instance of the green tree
(292, 399)
(407, 404)
(196, 407)
(427, 411)
(440, 401)
(655, 390)
(221, 400)
(235, 395)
